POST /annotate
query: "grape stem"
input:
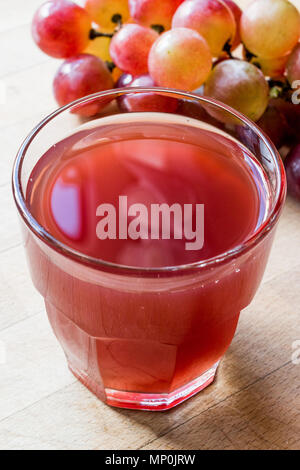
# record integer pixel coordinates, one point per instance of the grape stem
(227, 49)
(117, 19)
(97, 34)
(248, 55)
(279, 89)
(158, 28)
(110, 65)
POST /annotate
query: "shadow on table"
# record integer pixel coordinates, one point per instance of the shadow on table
(238, 411)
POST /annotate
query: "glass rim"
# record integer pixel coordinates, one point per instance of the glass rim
(78, 256)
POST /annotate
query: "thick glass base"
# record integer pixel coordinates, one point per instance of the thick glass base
(148, 401)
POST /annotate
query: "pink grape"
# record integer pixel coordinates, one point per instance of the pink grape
(129, 48)
(80, 76)
(61, 28)
(240, 85)
(103, 11)
(292, 167)
(146, 101)
(237, 13)
(293, 65)
(270, 28)
(210, 18)
(180, 58)
(153, 12)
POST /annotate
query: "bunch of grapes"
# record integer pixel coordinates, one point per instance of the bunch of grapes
(249, 59)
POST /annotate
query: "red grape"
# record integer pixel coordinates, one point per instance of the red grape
(103, 11)
(270, 28)
(129, 48)
(291, 112)
(237, 13)
(240, 85)
(124, 80)
(195, 109)
(146, 101)
(275, 125)
(80, 76)
(211, 18)
(292, 167)
(293, 65)
(153, 12)
(180, 58)
(61, 28)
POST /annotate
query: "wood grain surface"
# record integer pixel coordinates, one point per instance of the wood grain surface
(255, 401)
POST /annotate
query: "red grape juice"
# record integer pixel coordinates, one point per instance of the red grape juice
(149, 332)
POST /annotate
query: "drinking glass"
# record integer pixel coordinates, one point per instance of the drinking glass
(144, 337)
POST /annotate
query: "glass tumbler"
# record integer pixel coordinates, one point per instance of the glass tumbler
(145, 338)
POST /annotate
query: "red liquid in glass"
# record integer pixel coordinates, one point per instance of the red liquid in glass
(151, 338)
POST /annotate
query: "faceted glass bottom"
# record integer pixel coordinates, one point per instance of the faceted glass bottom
(148, 401)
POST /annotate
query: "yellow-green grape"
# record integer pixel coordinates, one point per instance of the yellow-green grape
(103, 12)
(99, 47)
(270, 28)
(272, 68)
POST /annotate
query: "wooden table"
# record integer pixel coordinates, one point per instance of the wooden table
(254, 404)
